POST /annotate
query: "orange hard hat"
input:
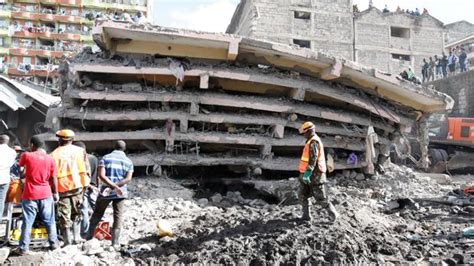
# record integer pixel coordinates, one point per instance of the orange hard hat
(306, 126)
(66, 134)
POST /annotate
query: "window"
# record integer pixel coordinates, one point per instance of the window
(302, 43)
(401, 57)
(27, 60)
(400, 32)
(465, 131)
(302, 15)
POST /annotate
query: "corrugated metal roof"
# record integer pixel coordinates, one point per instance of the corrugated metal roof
(18, 96)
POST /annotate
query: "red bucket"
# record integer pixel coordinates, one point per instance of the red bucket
(102, 231)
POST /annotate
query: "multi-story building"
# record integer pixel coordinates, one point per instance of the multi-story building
(317, 24)
(389, 41)
(36, 34)
(395, 41)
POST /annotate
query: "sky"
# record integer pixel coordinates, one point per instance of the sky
(215, 15)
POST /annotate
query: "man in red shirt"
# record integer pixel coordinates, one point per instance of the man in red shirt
(39, 193)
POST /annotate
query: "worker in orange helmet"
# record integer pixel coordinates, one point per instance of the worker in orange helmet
(313, 173)
(73, 177)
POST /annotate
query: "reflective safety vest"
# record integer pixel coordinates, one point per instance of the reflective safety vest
(71, 163)
(321, 160)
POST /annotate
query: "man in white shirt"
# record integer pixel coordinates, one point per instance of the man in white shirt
(7, 159)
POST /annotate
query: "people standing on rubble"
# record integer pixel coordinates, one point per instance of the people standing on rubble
(7, 160)
(462, 60)
(452, 63)
(115, 172)
(431, 69)
(313, 173)
(73, 178)
(438, 72)
(39, 194)
(91, 192)
(444, 65)
(424, 70)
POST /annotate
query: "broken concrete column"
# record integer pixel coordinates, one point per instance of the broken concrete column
(183, 125)
(194, 108)
(266, 151)
(298, 94)
(204, 81)
(423, 140)
(279, 131)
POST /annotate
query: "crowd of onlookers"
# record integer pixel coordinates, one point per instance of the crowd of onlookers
(438, 67)
(415, 12)
(443, 66)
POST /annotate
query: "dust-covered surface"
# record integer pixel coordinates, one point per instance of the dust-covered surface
(230, 228)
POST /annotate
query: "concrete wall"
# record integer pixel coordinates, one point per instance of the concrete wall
(375, 46)
(458, 30)
(461, 89)
(329, 27)
(332, 28)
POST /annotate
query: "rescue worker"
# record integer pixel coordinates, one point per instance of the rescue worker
(313, 173)
(73, 178)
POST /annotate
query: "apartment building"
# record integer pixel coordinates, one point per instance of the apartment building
(389, 41)
(36, 34)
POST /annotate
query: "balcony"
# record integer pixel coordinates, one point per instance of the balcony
(48, 35)
(4, 50)
(5, 13)
(36, 70)
(27, 1)
(3, 32)
(100, 4)
(70, 2)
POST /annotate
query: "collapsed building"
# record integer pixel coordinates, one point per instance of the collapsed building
(189, 101)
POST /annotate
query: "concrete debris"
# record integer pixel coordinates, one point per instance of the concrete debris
(246, 229)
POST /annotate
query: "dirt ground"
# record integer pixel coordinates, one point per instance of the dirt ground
(383, 220)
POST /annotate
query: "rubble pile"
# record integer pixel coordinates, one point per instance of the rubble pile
(229, 228)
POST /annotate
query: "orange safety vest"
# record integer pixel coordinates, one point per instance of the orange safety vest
(71, 163)
(321, 160)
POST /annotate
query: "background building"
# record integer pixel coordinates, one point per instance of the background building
(458, 30)
(389, 41)
(316, 24)
(394, 41)
(36, 34)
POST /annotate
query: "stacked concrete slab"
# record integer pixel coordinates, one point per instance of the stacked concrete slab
(186, 100)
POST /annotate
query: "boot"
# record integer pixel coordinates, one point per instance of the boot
(76, 228)
(67, 236)
(332, 212)
(306, 215)
(116, 239)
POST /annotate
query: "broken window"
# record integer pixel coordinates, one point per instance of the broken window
(401, 57)
(400, 32)
(302, 15)
(465, 131)
(302, 43)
